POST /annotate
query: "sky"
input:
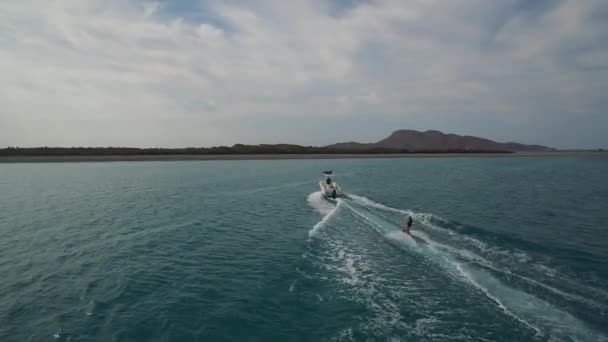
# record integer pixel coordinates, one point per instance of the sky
(203, 73)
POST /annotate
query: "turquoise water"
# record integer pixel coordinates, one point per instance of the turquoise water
(503, 249)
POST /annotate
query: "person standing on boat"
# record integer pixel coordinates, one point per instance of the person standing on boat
(410, 221)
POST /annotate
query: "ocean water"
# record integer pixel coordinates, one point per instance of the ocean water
(502, 249)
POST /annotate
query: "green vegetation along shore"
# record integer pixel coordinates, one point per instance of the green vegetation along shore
(221, 150)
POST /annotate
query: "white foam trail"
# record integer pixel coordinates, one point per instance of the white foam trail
(353, 270)
(350, 264)
(422, 217)
(537, 314)
(494, 298)
(517, 303)
(315, 229)
(402, 238)
(556, 324)
(518, 256)
(324, 207)
(425, 219)
(320, 204)
(470, 256)
(432, 247)
(368, 202)
(393, 234)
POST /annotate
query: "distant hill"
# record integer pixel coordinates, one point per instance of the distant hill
(411, 140)
(402, 141)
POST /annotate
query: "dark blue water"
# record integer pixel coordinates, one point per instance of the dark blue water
(503, 249)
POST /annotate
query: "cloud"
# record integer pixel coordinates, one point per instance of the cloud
(96, 72)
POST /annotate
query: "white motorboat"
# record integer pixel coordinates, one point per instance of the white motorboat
(329, 188)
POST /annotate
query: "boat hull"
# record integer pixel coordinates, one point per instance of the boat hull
(332, 190)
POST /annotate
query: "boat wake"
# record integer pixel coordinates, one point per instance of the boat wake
(507, 279)
(324, 207)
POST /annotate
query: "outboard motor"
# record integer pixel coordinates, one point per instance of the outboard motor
(333, 194)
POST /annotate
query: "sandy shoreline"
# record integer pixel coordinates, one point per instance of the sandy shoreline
(48, 159)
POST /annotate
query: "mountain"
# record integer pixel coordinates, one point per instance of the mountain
(412, 140)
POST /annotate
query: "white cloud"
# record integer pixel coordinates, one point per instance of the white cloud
(93, 72)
